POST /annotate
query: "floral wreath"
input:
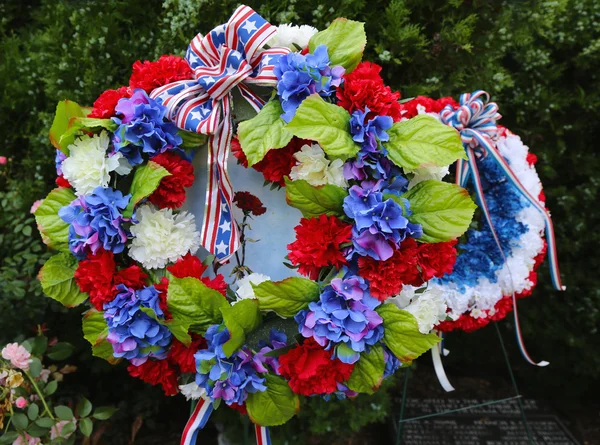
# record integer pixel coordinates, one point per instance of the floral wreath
(327, 129)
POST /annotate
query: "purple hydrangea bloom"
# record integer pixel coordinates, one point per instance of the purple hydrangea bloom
(379, 224)
(367, 133)
(344, 318)
(58, 160)
(228, 378)
(391, 363)
(96, 221)
(277, 340)
(302, 75)
(134, 334)
(143, 127)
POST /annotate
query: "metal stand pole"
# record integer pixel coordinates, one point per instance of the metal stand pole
(400, 422)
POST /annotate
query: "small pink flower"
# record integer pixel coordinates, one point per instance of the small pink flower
(18, 356)
(44, 375)
(35, 205)
(3, 160)
(56, 430)
(21, 402)
(27, 440)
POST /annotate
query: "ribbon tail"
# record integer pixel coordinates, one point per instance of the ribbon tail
(197, 421)
(262, 435)
(439, 367)
(486, 212)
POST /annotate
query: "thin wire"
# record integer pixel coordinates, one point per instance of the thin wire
(401, 422)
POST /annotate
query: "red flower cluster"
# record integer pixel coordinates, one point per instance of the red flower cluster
(318, 244)
(311, 370)
(409, 109)
(150, 75)
(62, 182)
(97, 275)
(191, 266)
(104, 107)
(364, 87)
(183, 355)
(157, 372)
(411, 264)
(249, 203)
(171, 191)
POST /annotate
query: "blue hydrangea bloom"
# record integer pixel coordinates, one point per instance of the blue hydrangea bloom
(142, 128)
(134, 334)
(302, 75)
(344, 318)
(379, 224)
(96, 221)
(368, 132)
(228, 378)
(391, 363)
(58, 160)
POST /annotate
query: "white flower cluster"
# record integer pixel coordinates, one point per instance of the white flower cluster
(428, 306)
(292, 36)
(244, 290)
(159, 237)
(316, 169)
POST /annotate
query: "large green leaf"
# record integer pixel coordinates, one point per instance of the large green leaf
(58, 282)
(444, 210)
(367, 374)
(240, 319)
(286, 297)
(314, 201)
(146, 179)
(54, 231)
(345, 40)
(423, 141)
(325, 123)
(193, 304)
(66, 112)
(95, 330)
(401, 333)
(191, 140)
(77, 124)
(263, 132)
(275, 406)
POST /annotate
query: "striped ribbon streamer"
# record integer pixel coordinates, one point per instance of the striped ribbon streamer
(438, 367)
(230, 56)
(262, 435)
(475, 119)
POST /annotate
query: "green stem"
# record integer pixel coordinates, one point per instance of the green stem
(40, 395)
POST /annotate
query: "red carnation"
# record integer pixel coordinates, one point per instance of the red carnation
(150, 75)
(183, 355)
(436, 259)
(171, 191)
(311, 370)
(95, 276)
(104, 107)
(249, 203)
(236, 150)
(191, 266)
(157, 372)
(531, 159)
(363, 88)
(319, 244)
(62, 182)
(278, 163)
(411, 108)
(386, 278)
(132, 276)
(239, 408)
(502, 309)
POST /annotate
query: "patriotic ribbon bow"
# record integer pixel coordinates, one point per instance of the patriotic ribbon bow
(228, 57)
(475, 120)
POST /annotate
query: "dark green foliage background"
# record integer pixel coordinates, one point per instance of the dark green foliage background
(539, 59)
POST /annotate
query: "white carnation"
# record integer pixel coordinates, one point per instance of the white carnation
(161, 237)
(429, 309)
(425, 173)
(88, 167)
(291, 35)
(192, 391)
(245, 290)
(314, 168)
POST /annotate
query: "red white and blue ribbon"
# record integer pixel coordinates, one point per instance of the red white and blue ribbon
(228, 57)
(475, 119)
(262, 435)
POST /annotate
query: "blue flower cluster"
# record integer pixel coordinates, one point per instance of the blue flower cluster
(142, 128)
(392, 363)
(134, 334)
(344, 318)
(58, 160)
(302, 75)
(379, 223)
(227, 378)
(96, 221)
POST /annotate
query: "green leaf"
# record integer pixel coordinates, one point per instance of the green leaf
(57, 280)
(367, 374)
(444, 210)
(286, 325)
(263, 132)
(78, 124)
(95, 330)
(35, 367)
(61, 351)
(45, 422)
(20, 421)
(35, 430)
(67, 429)
(51, 388)
(191, 140)
(66, 110)
(325, 123)
(39, 345)
(63, 412)
(286, 297)
(401, 333)
(275, 406)
(146, 179)
(194, 304)
(314, 201)
(104, 412)
(84, 407)
(240, 319)
(345, 40)
(33, 411)
(8, 437)
(54, 231)
(86, 427)
(423, 141)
